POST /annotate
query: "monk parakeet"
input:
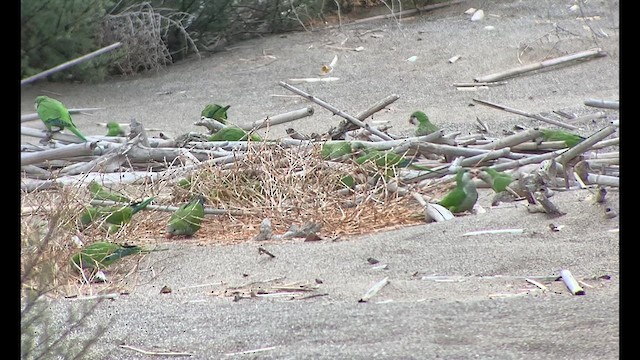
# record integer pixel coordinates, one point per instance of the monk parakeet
(463, 196)
(498, 180)
(114, 129)
(216, 112)
(102, 254)
(100, 193)
(55, 115)
(386, 159)
(569, 139)
(114, 216)
(332, 150)
(425, 127)
(233, 133)
(187, 219)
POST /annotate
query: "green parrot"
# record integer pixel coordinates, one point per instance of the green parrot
(498, 180)
(569, 139)
(216, 112)
(102, 254)
(187, 219)
(54, 114)
(463, 196)
(114, 216)
(332, 150)
(425, 127)
(386, 159)
(114, 129)
(233, 133)
(100, 193)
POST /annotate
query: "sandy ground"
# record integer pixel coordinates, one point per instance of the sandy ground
(481, 307)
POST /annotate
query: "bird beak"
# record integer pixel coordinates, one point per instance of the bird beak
(412, 120)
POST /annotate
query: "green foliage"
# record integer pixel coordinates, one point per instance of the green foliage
(56, 31)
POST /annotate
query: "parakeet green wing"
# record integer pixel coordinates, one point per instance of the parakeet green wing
(186, 220)
(55, 115)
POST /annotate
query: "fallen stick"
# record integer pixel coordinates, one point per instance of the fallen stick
(347, 126)
(374, 289)
(250, 351)
(493, 232)
(571, 282)
(585, 145)
(538, 284)
(280, 119)
(35, 116)
(513, 140)
(162, 353)
(545, 145)
(476, 160)
(69, 64)
(523, 113)
(526, 161)
(607, 104)
(67, 138)
(473, 84)
(59, 153)
(336, 111)
(594, 116)
(539, 65)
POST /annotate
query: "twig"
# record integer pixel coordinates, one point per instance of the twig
(539, 65)
(474, 84)
(523, 113)
(250, 351)
(335, 110)
(492, 232)
(162, 353)
(374, 289)
(262, 250)
(538, 284)
(169, 208)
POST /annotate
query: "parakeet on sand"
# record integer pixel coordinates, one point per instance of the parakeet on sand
(102, 254)
(425, 127)
(233, 133)
(55, 115)
(187, 219)
(497, 179)
(100, 193)
(216, 112)
(464, 196)
(114, 216)
(569, 139)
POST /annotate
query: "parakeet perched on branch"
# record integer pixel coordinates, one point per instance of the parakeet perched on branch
(102, 254)
(569, 139)
(100, 193)
(216, 112)
(187, 219)
(55, 115)
(497, 179)
(464, 196)
(114, 216)
(233, 133)
(114, 129)
(425, 127)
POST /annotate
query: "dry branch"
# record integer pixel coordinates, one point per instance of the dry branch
(34, 116)
(69, 64)
(523, 113)
(280, 119)
(607, 104)
(336, 111)
(60, 153)
(583, 55)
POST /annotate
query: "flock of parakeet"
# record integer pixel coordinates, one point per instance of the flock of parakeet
(187, 219)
